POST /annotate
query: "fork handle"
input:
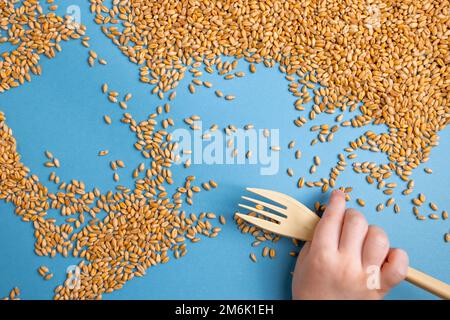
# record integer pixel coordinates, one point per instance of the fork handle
(428, 283)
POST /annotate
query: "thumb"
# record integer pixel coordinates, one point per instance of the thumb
(394, 269)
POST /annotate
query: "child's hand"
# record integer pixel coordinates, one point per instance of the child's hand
(344, 257)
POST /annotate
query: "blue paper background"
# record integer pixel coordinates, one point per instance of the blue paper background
(62, 111)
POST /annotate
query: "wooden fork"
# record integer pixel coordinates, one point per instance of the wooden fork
(297, 221)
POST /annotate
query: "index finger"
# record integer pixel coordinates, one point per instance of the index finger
(328, 229)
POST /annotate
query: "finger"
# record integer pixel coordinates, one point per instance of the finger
(354, 232)
(395, 268)
(328, 229)
(375, 248)
(304, 251)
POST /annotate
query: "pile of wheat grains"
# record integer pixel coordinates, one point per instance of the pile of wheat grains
(139, 230)
(393, 56)
(31, 33)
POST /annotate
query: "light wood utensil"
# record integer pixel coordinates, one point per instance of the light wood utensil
(297, 221)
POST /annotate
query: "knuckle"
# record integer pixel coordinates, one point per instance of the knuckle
(327, 218)
(321, 260)
(355, 217)
(402, 256)
(378, 236)
(349, 271)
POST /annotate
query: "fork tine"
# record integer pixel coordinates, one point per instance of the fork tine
(266, 205)
(283, 199)
(262, 212)
(272, 195)
(261, 223)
